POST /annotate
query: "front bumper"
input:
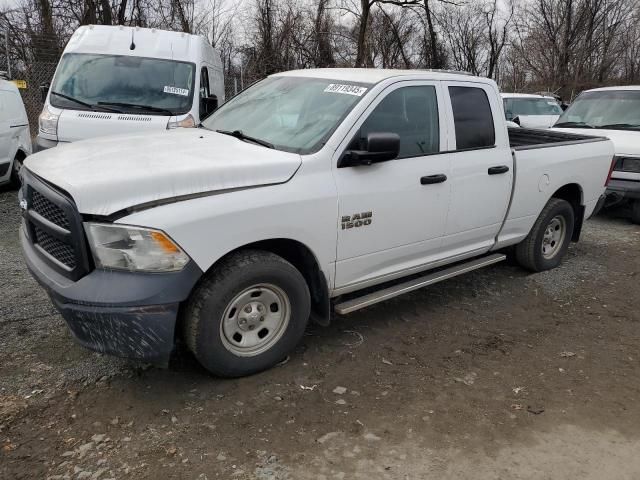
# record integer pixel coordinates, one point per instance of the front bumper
(126, 314)
(43, 144)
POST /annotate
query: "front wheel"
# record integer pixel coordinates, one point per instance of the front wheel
(15, 171)
(548, 241)
(635, 212)
(247, 314)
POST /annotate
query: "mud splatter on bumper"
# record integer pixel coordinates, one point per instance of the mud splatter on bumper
(126, 314)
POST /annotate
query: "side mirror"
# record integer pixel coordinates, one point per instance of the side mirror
(516, 120)
(380, 147)
(208, 105)
(44, 89)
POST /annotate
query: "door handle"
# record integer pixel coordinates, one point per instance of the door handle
(498, 170)
(431, 179)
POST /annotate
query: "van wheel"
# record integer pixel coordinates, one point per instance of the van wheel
(247, 314)
(635, 212)
(548, 241)
(15, 171)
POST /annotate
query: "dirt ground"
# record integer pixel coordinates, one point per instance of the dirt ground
(499, 374)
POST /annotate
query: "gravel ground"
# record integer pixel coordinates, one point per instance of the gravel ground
(497, 374)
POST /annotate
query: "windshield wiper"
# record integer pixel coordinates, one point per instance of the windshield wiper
(148, 108)
(620, 126)
(84, 104)
(241, 136)
(574, 124)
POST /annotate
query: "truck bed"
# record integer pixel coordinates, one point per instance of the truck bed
(528, 138)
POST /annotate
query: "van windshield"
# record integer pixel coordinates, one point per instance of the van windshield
(83, 80)
(608, 109)
(515, 107)
(294, 114)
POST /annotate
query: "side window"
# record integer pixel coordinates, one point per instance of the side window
(472, 117)
(412, 113)
(508, 109)
(204, 83)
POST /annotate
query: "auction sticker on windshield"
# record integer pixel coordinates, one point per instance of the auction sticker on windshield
(176, 91)
(345, 89)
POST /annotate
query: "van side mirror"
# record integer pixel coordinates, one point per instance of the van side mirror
(44, 89)
(208, 105)
(380, 147)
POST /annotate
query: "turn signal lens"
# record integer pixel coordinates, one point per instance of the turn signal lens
(187, 122)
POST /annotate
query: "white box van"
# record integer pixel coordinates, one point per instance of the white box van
(116, 79)
(15, 140)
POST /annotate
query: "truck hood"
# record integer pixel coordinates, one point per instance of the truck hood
(107, 175)
(625, 142)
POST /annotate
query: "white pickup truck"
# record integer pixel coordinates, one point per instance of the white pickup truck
(612, 112)
(312, 192)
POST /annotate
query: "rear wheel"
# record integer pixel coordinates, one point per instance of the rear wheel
(248, 314)
(635, 212)
(548, 241)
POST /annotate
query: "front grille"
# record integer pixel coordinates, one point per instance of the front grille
(48, 210)
(61, 251)
(54, 226)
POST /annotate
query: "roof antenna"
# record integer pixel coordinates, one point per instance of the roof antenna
(133, 45)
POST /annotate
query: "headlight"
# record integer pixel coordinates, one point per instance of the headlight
(48, 122)
(121, 247)
(186, 122)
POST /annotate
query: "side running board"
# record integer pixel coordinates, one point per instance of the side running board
(354, 304)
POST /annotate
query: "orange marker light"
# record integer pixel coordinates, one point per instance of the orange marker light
(166, 244)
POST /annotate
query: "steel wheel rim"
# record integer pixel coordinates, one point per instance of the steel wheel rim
(255, 320)
(553, 237)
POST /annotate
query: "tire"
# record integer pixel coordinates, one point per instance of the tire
(635, 212)
(548, 241)
(277, 298)
(15, 172)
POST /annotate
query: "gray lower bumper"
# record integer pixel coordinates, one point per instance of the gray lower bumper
(624, 189)
(125, 314)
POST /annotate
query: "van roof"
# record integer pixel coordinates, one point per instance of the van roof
(525, 95)
(375, 75)
(149, 42)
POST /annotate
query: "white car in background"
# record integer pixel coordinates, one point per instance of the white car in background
(531, 111)
(15, 139)
(612, 112)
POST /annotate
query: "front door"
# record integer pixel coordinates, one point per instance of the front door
(392, 215)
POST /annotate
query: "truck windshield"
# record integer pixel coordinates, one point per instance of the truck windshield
(515, 107)
(125, 83)
(294, 114)
(610, 109)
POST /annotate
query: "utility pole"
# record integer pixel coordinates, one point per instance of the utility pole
(6, 51)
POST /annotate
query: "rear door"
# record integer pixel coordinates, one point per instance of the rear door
(392, 214)
(481, 168)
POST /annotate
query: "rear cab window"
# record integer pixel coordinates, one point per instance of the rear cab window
(472, 117)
